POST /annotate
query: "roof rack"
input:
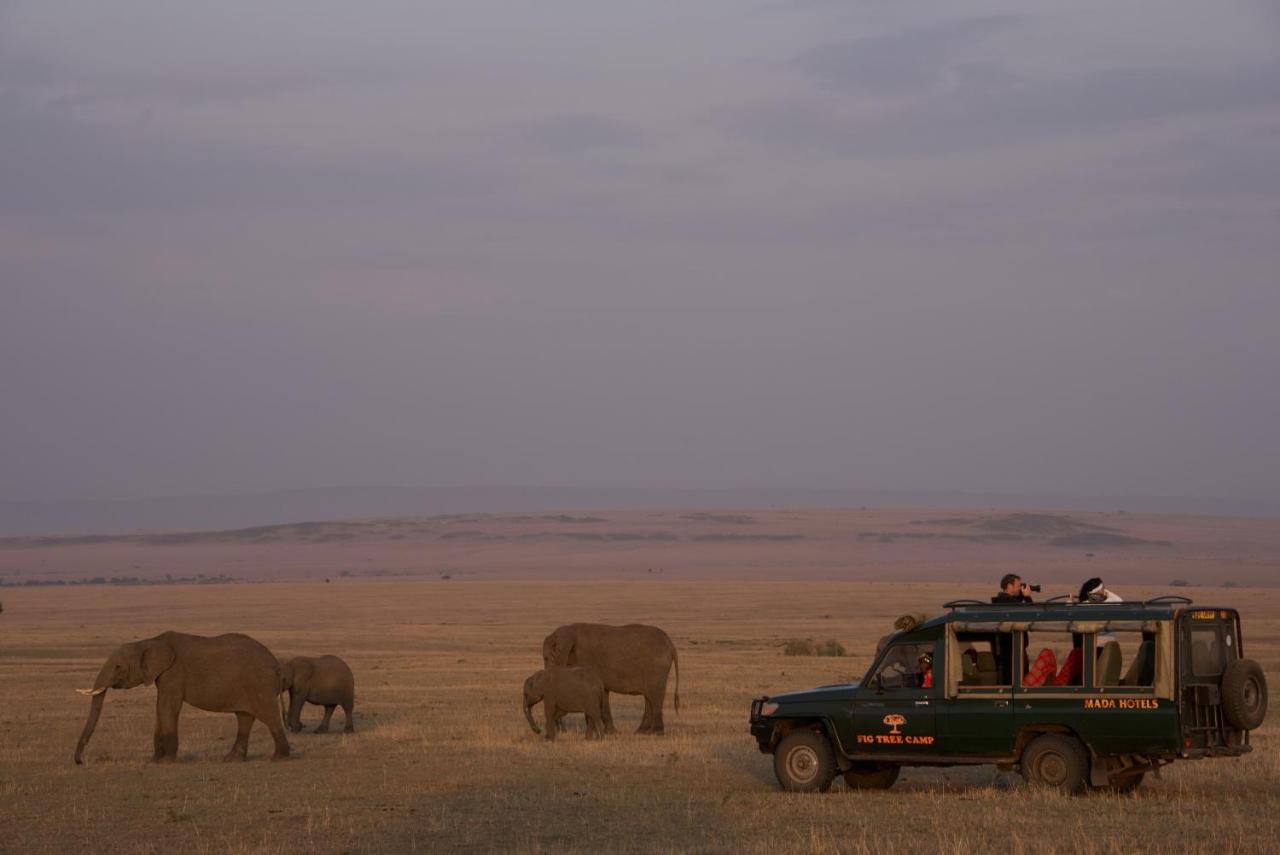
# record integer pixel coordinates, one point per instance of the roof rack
(1167, 598)
(955, 604)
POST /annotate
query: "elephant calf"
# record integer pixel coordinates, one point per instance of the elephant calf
(322, 680)
(562, 691)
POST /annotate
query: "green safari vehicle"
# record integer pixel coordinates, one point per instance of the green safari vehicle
(1072, 695)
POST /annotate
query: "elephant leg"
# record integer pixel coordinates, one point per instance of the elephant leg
(240, 748)
(655, 717)
(168, 705)
(646, 723)
(350, 726)
(296, 700)
(277, 736)
(595, 727)
(158, 754)
(551, 717)
(328, 714)
(606, 713)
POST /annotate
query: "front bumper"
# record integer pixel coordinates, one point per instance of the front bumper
(762, 727)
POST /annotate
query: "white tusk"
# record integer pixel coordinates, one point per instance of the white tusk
(91, 691)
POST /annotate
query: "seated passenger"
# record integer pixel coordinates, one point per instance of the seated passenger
(925, 664)
(969, 667)
(1072, 669)
(1043, 669)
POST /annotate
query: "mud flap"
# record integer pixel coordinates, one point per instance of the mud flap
(1098, 776)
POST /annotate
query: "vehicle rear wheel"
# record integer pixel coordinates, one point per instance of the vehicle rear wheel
(872, 776)
(1056, 761)
(1244, 694)
(804, 762)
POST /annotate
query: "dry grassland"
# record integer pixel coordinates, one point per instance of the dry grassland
(443, 761)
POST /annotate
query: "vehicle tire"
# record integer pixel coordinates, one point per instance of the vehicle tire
(1127, 784)
(1056, 761)
(1244, 694)
(872, 776)
(804, 762)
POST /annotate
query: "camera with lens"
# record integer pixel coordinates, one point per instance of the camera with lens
(1034, 588)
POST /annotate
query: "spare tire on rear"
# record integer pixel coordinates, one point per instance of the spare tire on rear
(1244, 694)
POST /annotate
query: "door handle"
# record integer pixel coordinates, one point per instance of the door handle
(1002, 704)
(873, 704)
(922, 703)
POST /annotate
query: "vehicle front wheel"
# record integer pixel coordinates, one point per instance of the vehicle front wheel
(872, 776)
(804, 762)
(1057, 762)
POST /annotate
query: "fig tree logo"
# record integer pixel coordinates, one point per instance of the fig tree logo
(894, 721)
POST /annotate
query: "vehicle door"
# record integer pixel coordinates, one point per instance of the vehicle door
(979, 711)
(1208, 642)
(895, 713)
(1053, 679)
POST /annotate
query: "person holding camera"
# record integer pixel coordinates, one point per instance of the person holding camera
(1014, 590)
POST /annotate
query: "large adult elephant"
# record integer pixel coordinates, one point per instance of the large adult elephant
(631, 660)
(225, 673)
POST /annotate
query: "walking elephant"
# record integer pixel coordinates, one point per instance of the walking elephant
(562, 691)
(322, 680)
(631, 660)
(226, 673)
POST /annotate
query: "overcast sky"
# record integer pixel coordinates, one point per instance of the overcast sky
(1018, 246)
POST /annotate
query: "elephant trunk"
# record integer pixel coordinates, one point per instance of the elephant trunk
(528, 705)
(95, 710)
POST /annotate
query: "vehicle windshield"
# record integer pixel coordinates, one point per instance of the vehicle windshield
(903, 668)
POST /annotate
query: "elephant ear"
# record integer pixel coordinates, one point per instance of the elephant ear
(156, 659)
(561, 645)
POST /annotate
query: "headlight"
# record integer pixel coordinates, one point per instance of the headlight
(768, 708)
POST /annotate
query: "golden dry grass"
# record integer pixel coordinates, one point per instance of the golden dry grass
(443, 761)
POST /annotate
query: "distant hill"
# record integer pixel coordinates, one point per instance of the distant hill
(339, 503)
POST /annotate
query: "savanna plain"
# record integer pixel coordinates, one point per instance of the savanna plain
(441, 631)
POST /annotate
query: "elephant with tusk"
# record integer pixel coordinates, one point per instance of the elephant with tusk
(226, 673)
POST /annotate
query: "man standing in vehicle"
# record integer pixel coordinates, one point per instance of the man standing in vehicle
(1013, 590)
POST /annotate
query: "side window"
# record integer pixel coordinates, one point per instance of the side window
(1206, 651)
(1125, 659)
(903, 667)
(986, 659)
(1053, 659)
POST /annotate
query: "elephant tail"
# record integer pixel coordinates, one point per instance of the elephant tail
(675, 660)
